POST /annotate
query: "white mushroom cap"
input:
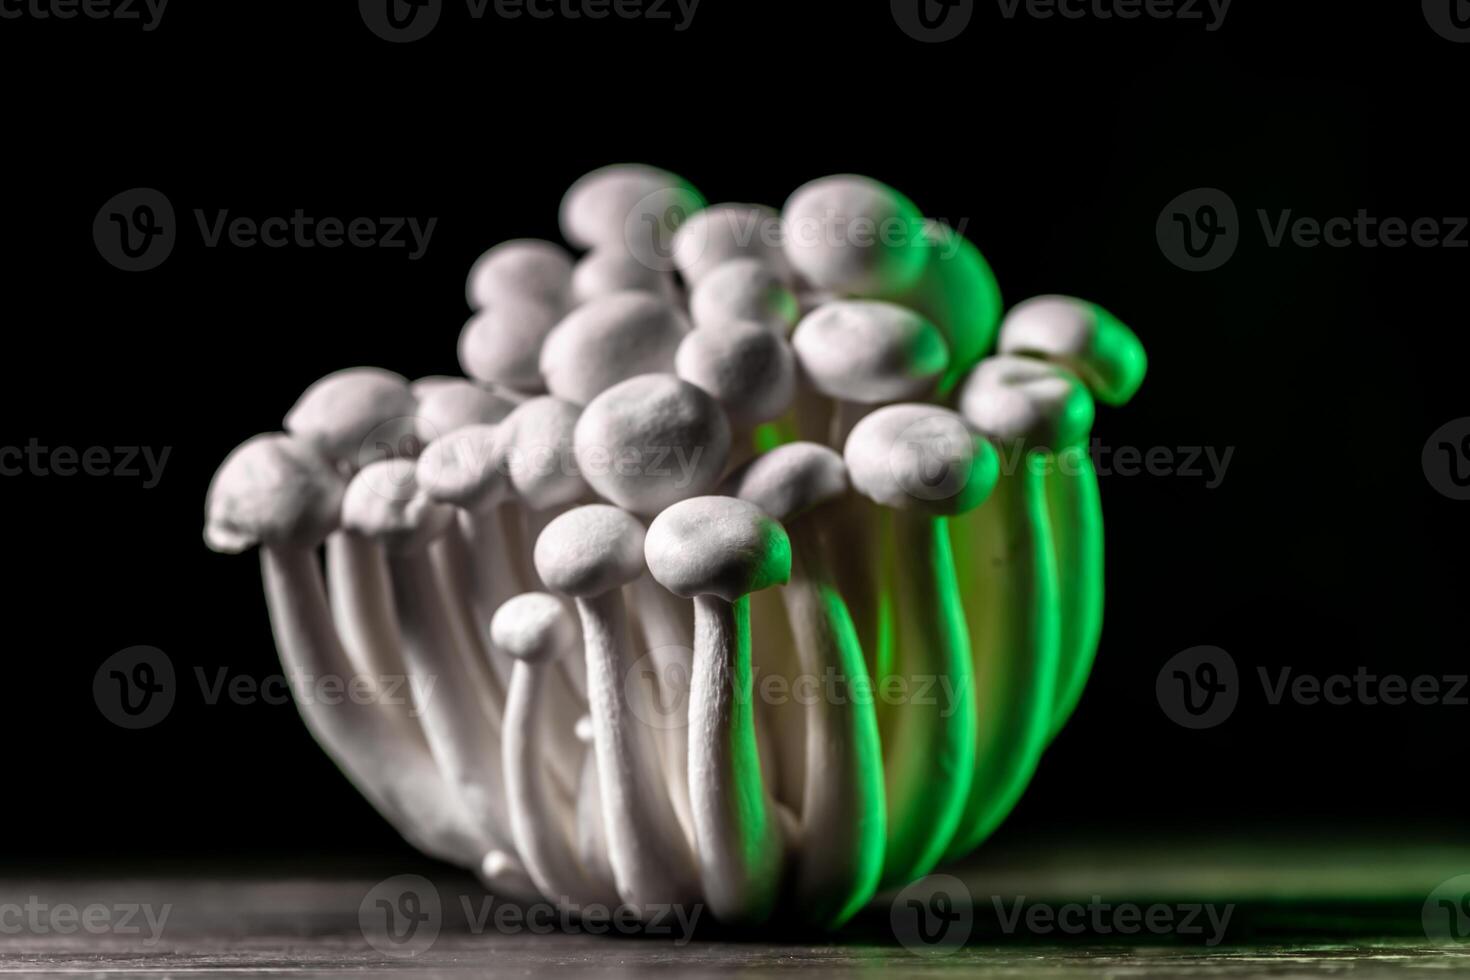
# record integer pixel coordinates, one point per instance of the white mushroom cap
(274, 490)
(455, 403)
(466, 468)
(722, 232)
(1028, 403)
(590, 550)
(750, 371)
(920, 457)
(651, 441)
(717, 546)
(743, 289)
(604, 206)
(538, 442)
(524, 268)
(355, 416)
(384, 501)
(1081, 336)
(608, 340)
(502, 343)
(611, 269)
(790, 480)
(853, 235)
(868, 352)
(534, 627)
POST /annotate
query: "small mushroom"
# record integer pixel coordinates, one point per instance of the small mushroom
(501, 344)
(611, 269)
(610, 339)
(840, 856)
(748, 369)
(627, 204)
(536, 629)
(716, 551)
(276, 492)
(1008, 570)
(525, 267)
(651, 441)
(744, 290)
(589, 553)
(723, 233)
(455, 403)
(853, 236)
(1082, 337)
(927, 465)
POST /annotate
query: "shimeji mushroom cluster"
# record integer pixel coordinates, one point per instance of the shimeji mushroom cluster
(726, 445)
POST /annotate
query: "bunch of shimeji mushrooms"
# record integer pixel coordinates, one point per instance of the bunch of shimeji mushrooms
(735, 572)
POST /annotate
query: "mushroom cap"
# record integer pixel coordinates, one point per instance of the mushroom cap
(622, 204)
(748, 369)
(790, 479)
(524, 268)
(455, 403)
(1030, 404)
(920, 457)
(613, 270)
(709, 238)
(534, 627)
(355, 415)
(717, 546)
(869, 351)
(743, 289)
(651, 441)
(854, 235)
(1081, 336)
(590, 550)
(272, 489)
(538, 441)
(502, 342)
(384, 501)
(608, 340)
(466, 468)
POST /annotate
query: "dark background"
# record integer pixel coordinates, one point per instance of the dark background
(1059, 142)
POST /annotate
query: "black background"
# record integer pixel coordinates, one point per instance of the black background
(1058, 142)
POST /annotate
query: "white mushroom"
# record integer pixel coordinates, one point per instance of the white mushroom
(610, 339)
(744, 289)
(1008, 575)
(524, 267)
(611, 269)
(626, 204)
(854, 236)
(276, 492)
(589, 553)
(926, 464)
(716, 551)
(501, 343)
(455, 403)
(536, 629)
(722, 233)
(843, 827)
(1082, 337)
(651, 441)
(748, 369)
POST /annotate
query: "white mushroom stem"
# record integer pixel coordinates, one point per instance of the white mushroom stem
(666, 623)
(395, 773)
(591, 832)
(740, 834)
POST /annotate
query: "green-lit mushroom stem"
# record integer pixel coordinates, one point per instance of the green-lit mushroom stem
(1008, 570)
(716, 551)
(275, 492)
(839, 857)
(1110, 360)
(927, 465)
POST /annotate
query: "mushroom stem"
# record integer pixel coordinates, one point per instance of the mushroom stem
(935, 722)
(741, 848)
(666, 624)
(1077, 524)
(591, 831)
(396, 774)
(1010, 603)
(542, 825)
(639, 818)
(843, 821)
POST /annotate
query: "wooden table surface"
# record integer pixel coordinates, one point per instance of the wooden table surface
(1289, 910)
